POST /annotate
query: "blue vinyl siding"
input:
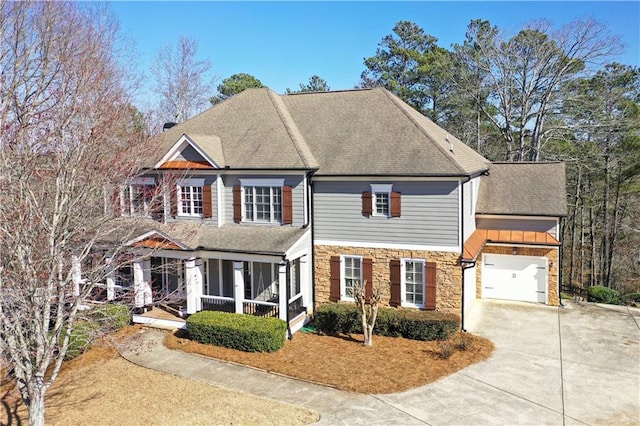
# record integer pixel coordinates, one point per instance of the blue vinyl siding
(429, 216)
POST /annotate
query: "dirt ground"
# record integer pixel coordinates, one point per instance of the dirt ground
(390, 365)
(101, 388)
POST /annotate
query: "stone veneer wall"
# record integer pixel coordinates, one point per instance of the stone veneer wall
(550, 253)
(448, 272)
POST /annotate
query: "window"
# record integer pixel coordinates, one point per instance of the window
(413, 282)
(141, 198)
(262, 204)
(381, 198)
(351, 274)
(190, 200)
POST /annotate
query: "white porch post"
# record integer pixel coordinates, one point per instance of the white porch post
(76, 274)
(146, 277)
(193, 280)
(238, 285)
(305, 279)
(283, 299)
(111, 279)
(138, 284)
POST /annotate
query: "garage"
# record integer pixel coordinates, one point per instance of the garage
(509, 277)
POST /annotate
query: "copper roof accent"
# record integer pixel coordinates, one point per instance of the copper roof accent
(186, 165)
(156, 243)
(481, 237)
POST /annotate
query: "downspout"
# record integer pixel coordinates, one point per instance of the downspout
(560, 265)
(313, 245)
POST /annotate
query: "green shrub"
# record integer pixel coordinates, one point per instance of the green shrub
(237, 331)
(80, 339)
(337, 318)
(601, 294)
(111, 317)
(409, 323)
(631, 299)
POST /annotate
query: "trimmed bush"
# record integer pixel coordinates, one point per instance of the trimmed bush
(237, 331)
(414, 324)
(601, 294)
(111, 317)
(80, 340)
(631, 299)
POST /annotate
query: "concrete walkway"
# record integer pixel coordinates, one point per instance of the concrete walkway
(574, 365)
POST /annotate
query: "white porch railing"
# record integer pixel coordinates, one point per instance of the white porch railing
(250, 307)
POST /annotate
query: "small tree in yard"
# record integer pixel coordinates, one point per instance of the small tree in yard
(367, 308)
(68, 138)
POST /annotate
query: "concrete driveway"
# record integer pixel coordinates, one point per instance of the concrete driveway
(579, 364)
(562, 366)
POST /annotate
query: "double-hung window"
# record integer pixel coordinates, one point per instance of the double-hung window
(262, 200)
(351, 275)
(190, 198)
(413, 282)
(381, 199)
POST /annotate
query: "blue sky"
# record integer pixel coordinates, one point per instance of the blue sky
(285, 43)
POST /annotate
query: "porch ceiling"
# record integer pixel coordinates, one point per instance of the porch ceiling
(481, 237)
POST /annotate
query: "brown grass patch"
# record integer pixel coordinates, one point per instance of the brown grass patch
(390, 365)
(100, 388)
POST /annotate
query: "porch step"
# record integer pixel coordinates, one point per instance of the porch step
(180, 312)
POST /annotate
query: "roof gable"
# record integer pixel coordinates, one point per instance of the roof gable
(187, 154)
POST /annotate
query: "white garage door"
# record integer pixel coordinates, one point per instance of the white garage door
(514, 278)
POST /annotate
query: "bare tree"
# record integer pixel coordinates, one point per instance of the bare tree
(67, 138)
(522, 75)
(367, 305)
(182, 82)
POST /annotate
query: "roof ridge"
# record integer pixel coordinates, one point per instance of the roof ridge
(401, 106)
(299, 143)
(321, 92)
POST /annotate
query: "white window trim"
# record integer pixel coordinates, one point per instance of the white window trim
(145, 206)
(270, 183)
(379, 188)
(343, 288)
(262, 182)
(403, 283)
(180, 187)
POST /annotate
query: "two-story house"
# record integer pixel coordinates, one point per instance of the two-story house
(273, 204)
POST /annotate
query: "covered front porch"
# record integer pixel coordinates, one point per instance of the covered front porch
(183, 281)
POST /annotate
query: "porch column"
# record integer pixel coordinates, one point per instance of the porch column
(193, 281)
(238, 285)
(111, 279)
(283, 294)
(76, 274)
(138, 284)
(146, 277)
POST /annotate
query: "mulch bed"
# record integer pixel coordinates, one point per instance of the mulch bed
(390, 365)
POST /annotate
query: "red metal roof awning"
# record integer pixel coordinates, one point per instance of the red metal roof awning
(481, 237)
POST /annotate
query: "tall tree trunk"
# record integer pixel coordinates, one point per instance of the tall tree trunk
(605, 223)
(36, 402)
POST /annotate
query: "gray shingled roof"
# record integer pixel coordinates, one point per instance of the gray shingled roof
(232, 237)
(537, 189)
(254, 131)
(356, 132)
